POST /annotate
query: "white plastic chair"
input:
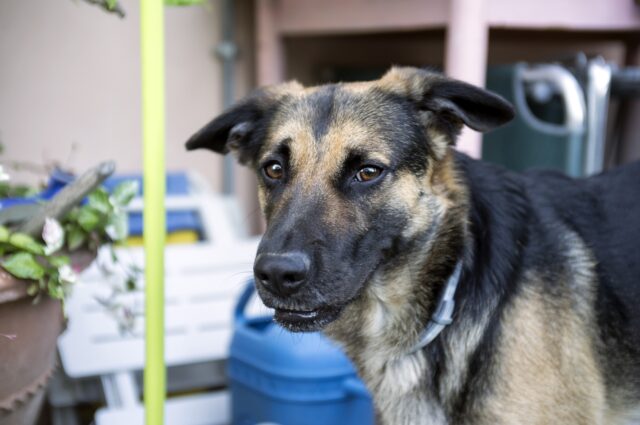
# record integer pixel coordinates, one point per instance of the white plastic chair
(202, 281)
(202, 284)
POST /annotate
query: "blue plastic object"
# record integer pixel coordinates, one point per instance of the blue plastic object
(291, 379)
(177, 184)
(57, 181)
(176, 220)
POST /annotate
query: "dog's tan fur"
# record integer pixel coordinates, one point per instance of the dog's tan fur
(552, 384)
(394, 311)
(543, 379)
(545, 367)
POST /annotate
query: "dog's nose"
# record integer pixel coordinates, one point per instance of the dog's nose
(281, 274)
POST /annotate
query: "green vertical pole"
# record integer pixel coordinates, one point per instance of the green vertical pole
(152, 49)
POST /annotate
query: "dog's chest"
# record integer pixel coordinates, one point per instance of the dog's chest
(396, 377)
(400, 391)
(400, 380)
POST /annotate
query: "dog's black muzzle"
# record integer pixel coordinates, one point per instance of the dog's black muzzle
(280, 279)
(281, 274)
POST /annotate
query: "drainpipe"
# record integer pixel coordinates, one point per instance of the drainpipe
(227, 52)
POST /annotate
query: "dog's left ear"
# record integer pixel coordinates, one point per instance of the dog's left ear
(446, 104)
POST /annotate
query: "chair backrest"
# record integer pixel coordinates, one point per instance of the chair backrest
(202, 282)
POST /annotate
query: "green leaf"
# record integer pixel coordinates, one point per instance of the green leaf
(88, 218)
(23, 265)
(26, 243)
(118, 226)
(76, 237)
(59, 261)
(114, 255)
(33, 289)
(16, 191)
(131, 284)
(54, 288)
(99, 201)
(111, 4)
(125, 192)
(72, 215)
(4, 234)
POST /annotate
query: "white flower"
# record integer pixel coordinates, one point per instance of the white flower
(118, 226)
(4, 177)
(53, 235)
(67, 275)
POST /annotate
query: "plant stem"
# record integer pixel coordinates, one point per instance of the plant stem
(68, 197)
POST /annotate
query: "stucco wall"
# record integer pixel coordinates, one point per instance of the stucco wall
(70, 83)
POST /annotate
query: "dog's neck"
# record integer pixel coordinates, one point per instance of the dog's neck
(379, 332)
(380, 328)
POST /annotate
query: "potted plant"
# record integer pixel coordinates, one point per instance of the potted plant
(43, 245)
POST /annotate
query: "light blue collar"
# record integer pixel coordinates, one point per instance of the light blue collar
(444, 311)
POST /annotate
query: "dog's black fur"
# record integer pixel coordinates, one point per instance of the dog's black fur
(546, 327)
(518, 221)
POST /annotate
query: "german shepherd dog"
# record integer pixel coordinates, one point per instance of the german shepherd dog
(369, 212)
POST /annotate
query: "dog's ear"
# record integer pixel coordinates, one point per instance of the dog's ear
(446, 104)
(477, 108)
(242, 128)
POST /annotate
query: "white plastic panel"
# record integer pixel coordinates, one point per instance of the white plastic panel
(200, 297)
(199, 409)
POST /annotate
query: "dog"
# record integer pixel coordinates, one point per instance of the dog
(378, 231)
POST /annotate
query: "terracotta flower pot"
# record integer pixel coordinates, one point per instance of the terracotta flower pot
(28, 335)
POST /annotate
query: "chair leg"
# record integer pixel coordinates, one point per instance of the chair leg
(120, 389)
(64, 416)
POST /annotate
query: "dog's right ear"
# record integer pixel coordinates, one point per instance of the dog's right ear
(241, 129)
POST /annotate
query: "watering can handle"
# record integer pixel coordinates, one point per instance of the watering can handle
(570, 91)
(238, 314)
(355, 388)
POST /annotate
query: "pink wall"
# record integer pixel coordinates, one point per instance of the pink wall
(592, 15)
(467, 24)
(358, 16)
(70, 83)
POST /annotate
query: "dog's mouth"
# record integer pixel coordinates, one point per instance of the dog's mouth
(314, 318)
(306, 320)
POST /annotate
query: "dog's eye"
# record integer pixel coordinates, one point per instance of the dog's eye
(274, 170)
(368, 173)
